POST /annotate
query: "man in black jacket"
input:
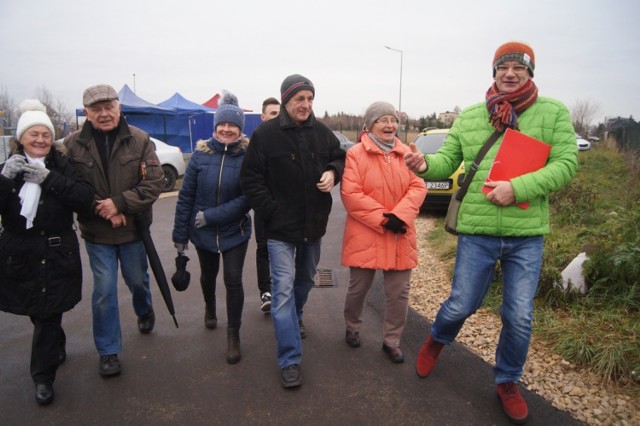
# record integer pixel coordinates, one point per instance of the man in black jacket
(289, 169)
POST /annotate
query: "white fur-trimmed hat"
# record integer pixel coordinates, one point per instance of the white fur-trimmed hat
(33, 113)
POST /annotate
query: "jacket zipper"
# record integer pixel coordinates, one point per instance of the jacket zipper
(224, 156)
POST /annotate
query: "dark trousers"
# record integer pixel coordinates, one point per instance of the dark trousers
(48, 340)
(233, 262)
(262, 255)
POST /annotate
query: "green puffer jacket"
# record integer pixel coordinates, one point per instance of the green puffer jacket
(547, 120)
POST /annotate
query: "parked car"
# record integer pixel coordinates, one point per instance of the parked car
(172, 162)
(439, 191)
(345, 142)
(583, 144)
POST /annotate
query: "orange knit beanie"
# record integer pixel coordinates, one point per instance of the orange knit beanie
(515, 51)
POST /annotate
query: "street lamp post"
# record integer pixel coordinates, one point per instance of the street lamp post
(134, 83)
(400, 95)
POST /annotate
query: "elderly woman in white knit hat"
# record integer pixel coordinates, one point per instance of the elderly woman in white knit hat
(39, 192)
(382, 198)
(213, 213)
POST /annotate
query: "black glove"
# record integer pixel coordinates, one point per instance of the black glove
(394, 224)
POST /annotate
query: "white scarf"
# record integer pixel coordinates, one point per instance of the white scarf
(30, 195)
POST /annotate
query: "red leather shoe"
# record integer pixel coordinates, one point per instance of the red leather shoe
(427, 357)
(513, 403)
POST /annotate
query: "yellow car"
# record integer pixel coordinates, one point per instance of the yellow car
(440, 191)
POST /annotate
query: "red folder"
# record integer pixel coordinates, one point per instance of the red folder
(517, 155)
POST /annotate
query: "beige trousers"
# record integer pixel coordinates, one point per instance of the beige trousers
(396, 290)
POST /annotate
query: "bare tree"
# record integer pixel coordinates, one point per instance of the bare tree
(8, 112)
(582, 114)
(56, 109)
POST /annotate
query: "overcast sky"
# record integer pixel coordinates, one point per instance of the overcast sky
(585, 50)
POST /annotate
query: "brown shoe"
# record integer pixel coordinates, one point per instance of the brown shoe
(352, 338)
(427, 357)
(395, 354)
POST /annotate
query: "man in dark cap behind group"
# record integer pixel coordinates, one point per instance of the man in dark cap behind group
(121, 164)
(291, 165)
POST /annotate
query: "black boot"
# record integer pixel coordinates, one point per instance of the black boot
(233, 345)
(210, 320)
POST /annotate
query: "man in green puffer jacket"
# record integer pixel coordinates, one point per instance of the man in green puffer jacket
(492, 227)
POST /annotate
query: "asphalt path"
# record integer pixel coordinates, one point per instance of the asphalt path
(180, 376)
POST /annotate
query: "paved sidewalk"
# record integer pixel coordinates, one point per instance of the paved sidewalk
(180, 376)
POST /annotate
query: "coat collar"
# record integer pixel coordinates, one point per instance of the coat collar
(286, 122)
(87, 128)
(370, 146)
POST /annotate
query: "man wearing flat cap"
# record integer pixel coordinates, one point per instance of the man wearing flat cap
(120, 162)
(290, 167)
(494, 227)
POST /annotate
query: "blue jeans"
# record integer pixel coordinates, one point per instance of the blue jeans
(293, 270)
(104, 259)
(521, 260)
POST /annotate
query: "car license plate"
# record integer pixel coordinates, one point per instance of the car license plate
(443, 184)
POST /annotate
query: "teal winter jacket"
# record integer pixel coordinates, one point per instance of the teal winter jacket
(547, 120)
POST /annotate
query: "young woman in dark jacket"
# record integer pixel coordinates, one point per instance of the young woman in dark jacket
(213, 213)
(40, 269)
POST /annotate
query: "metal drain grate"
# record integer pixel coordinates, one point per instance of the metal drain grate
(324, 278)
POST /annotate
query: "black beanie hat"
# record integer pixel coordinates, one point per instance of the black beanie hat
(293, 84)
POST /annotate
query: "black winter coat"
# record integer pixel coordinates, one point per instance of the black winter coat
(40, 267)
(281, 168)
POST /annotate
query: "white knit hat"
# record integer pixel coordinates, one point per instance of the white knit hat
(33, 114)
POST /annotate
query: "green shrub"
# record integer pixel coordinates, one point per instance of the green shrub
(605, 342)
(613, 271)
(574, 203)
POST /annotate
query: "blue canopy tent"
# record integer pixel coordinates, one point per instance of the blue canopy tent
(149, 117)
(140, 113)
(199, 121)
(180, 131)
(201, 125)
(177, 120)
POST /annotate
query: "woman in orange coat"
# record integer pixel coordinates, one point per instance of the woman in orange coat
(382, 198)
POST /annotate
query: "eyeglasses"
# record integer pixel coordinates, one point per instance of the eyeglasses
(386, 121)
(518, 69)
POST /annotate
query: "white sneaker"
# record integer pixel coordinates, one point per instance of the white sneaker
(265, 306)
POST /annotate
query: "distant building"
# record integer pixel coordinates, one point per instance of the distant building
(447, 118)
(613, 124)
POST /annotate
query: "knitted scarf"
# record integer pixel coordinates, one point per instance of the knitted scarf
(386, 147)
(504, 108)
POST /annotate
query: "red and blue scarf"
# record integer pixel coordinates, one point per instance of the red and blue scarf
(504, 108)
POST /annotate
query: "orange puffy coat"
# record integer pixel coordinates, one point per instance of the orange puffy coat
(375, 183)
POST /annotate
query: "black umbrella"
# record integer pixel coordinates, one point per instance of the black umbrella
(143, 224)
